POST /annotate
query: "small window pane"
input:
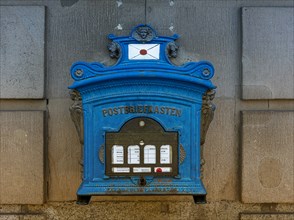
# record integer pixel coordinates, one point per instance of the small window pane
(166, 154)
(133, 154)
(117, 154)
(149, 154)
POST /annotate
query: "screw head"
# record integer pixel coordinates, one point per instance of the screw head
(142, 123)
(79, 73)
(206, 72)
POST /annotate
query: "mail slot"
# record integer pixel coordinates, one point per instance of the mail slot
(141, 122)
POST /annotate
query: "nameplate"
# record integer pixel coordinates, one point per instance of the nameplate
(144, 109)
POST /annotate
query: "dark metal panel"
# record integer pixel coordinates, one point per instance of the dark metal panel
(151, 133)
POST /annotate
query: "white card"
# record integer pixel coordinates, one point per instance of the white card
(121, 169)
(133, 154)
(117, 154)
(165, 154)
(149, 154)
(143, 51)
(142, 170)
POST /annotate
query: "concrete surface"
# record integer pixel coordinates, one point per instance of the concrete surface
(22, 157)
(268, 53)
(267, 156)
(21, 217)
(153, 210)
(22, 34)
(289, 216)
(220, 173)
(64, 152)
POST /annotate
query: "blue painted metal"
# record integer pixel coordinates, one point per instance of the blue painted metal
(142, 83)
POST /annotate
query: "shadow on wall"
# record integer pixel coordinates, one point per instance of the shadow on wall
(68, 3)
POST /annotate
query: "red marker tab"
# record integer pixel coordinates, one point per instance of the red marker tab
(158, 170)
(162, 169)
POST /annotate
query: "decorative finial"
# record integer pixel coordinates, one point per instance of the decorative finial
(114, 50)
(143, 34)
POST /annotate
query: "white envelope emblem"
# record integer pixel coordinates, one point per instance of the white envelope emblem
(144, 51)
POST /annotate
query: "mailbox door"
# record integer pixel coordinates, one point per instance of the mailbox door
(113, 125)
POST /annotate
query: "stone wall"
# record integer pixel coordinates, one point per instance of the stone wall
(249, 149)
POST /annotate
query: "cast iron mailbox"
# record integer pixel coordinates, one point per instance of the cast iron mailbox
(141, 120)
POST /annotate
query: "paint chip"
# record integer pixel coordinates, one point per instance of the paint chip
(119, 3)
(68, 3)
(171, 28)
(118, 27)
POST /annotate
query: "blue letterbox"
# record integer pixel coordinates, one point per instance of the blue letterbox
(140, 120)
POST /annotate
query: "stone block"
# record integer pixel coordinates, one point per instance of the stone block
(22, 31)
(267, 156)
(268, 53)
(64, 152)
(284, 216)
(21, 217)
(9, 217)
(10, 208)
(22, 157)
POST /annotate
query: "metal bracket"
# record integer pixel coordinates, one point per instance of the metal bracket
(76, 113)
(207, 114)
